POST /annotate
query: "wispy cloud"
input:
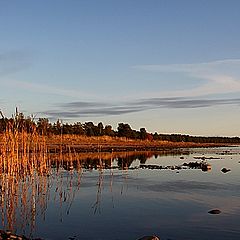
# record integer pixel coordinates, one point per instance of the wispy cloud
(85, 109)
(13, 61)
(222, 76)
(46, 89)
(192, 67)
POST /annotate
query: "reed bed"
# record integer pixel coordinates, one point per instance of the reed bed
(24, 161)
(22, 149)
(27, 178)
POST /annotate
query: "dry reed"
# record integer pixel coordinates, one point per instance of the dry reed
(24, 162)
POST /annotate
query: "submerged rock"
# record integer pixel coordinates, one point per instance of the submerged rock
(149, 238)
(198, 165)
(215, 211)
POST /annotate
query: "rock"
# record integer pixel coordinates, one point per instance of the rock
(225, 170)
(149, 238)
(206, 167)
(215, 211)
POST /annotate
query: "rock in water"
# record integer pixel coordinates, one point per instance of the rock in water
(225, 170)
(215, 211)
(149, 238)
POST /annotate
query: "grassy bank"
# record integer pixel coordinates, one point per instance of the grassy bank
(78, 143)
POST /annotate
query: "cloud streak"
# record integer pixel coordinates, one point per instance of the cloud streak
(88, 109)
(14, 61)
(46, 89)
(222, 76)
(192, 67)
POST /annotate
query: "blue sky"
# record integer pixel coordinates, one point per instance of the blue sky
(170, 66)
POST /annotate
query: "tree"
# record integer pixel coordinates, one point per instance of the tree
(67, 128)
(100, 129)
(143, 134)
(78, 129)
(89, 128)
(108, 131)
(124, 130)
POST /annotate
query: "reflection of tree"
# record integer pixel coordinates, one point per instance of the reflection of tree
(142, 158)
(90, 161)
(125, 163)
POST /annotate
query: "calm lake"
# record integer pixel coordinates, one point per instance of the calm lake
(128, 196)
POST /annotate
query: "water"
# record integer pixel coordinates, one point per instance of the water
(127, 201)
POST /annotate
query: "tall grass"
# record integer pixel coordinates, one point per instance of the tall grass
(23, 150)
(24, 162)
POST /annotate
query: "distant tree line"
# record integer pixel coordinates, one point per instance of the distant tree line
(45, 127)
(196, 139)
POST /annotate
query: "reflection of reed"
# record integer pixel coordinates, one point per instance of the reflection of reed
(20, 199)
(111, 183)
(97, 205)
(23, 198)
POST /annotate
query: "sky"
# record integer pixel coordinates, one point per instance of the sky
(167, 65)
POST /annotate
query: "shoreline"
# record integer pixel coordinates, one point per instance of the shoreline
(105, 144)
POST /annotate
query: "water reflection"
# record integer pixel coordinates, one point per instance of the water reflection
(27, 192)
(22, 199)
(25, 189)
